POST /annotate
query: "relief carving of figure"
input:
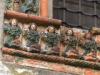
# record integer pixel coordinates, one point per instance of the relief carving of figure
(30, 6)
(90, 45)
(33, 38)
(14, 32)
(71, 42)
(52, 40)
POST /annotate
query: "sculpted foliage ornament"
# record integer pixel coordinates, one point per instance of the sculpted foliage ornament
(30, 6)
(8, 4)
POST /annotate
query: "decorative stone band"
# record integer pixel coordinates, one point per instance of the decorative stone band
(56, 59)
(31, 18)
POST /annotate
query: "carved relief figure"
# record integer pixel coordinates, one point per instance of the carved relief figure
(14, 33)
(71, 42)
(33, 37)
(30, 6)
(52, 40)
(90, 45)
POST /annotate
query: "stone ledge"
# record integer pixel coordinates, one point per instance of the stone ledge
(55, 59)
(31, 18)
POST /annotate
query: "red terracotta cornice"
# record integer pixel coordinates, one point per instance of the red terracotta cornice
(31, 18)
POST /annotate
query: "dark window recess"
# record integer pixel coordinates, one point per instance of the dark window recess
(82, 13)
(87, 21)
(72, 18)
(58, 13)
(87, 7)
(98, 10)
(72, 5)
(58, 3)
(98, 22)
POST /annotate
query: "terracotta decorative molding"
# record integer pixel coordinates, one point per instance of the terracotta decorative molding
(31, 18)
(67, 61)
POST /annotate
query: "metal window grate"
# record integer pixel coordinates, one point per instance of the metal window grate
(85, 13)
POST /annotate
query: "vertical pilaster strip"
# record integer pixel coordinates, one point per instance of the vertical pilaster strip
(95, 11)
(50, 8)
(44, 8)
(80, 16)
(3, 69)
